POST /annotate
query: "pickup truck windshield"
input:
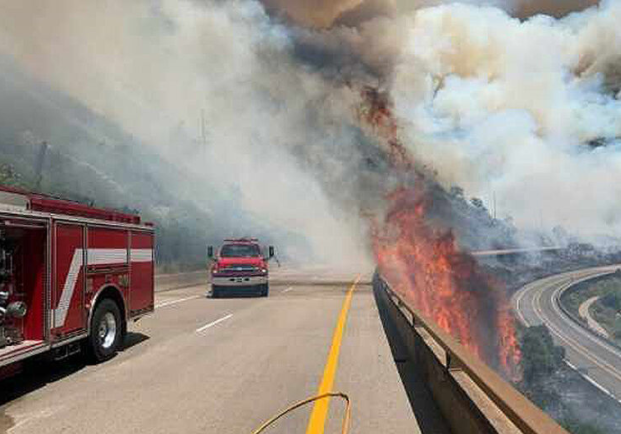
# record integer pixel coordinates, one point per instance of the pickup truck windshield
(240, 251)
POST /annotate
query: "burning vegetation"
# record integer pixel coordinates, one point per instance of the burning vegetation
(424, 262)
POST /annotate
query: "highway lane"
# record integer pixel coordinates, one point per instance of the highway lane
(201, 365)
(598, 361)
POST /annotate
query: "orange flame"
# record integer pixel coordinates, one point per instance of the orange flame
(426, 266)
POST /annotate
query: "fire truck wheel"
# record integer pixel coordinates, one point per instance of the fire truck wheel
(106, 331)
(215, 293)
(265, 291)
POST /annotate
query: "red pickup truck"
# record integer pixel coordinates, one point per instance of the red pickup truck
(239, 267)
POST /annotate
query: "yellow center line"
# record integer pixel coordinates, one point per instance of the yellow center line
(317, 422)
(572, 343)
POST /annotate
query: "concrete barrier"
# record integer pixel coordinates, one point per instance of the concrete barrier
(168, 282)
(472, 398)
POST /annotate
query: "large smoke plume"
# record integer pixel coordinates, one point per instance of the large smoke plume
(304, 116)
(529, 111)
(496, 105)
(161, 68)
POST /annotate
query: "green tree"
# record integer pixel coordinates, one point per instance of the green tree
(477, 203)
(612, 300)
(457, 192)
(540, 357)
(8, 176)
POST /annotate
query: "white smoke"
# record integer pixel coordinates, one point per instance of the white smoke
(499, 106)
(160, 68)
(506, 108)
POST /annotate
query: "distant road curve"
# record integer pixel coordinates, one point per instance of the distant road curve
(591, 322)
(597, 360)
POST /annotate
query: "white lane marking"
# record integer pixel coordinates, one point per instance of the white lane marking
(211, 324)
(538, 288)
(287, 289)
(526, 290)
(536, 303)
(179, 300)
(592, 381)
(578, 329)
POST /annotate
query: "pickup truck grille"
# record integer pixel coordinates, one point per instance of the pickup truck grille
(240, 268)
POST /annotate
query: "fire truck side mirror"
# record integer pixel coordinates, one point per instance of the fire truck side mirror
(271, 251)
(210, 252)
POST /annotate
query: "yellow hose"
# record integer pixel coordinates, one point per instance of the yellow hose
(345, 427)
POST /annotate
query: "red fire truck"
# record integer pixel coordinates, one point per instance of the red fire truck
(71, 277)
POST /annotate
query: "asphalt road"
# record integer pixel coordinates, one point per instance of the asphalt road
(201, 365)
(592, 356)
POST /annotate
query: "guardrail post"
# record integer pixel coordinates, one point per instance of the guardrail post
(451, 365)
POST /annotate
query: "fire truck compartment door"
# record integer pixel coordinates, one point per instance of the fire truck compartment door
(142, 263)
(68, 314)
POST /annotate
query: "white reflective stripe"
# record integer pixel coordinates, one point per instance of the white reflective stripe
(60, 313)
(142, 255)
(94, 257)
(106, 256)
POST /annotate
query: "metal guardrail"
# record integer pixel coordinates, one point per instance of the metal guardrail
(503, 252)
(523, 415)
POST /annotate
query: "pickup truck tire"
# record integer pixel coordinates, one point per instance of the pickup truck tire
(265, 290)
(106, 333)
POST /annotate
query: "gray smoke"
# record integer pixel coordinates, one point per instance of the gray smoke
(526, 111)
(161, 68)
(258, 103)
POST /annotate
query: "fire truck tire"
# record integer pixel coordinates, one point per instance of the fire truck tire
(215, 292)
(106, 331)
(265, 290)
